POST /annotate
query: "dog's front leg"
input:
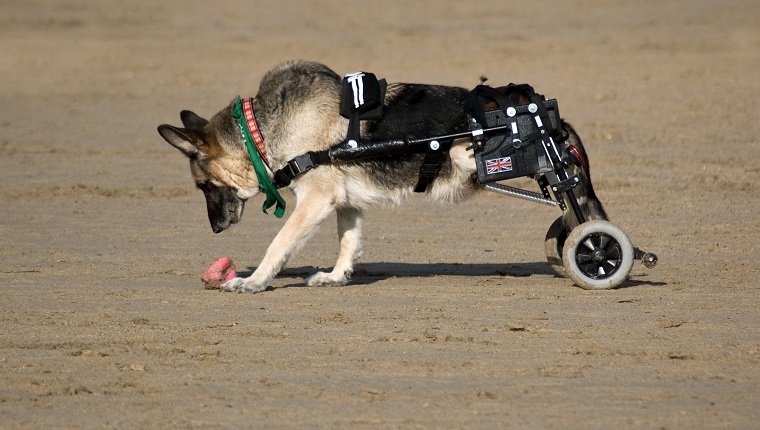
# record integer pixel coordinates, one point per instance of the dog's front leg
(350, 237)
(306, 217)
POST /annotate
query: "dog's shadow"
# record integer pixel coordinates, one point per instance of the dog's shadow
(369, 273)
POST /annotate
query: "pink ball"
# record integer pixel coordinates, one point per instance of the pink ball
(219, 272)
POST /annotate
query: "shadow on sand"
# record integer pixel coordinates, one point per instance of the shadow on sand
(368, 273)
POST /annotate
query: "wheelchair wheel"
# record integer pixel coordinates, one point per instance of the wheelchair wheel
(553, 244)
(597, 255)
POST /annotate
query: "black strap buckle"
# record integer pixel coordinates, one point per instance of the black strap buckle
(298, 166)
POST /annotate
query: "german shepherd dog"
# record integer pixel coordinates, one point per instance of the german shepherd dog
(297, 110)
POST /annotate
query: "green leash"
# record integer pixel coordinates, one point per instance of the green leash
(265, 184)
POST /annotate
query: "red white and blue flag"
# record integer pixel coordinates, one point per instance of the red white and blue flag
(498, 165)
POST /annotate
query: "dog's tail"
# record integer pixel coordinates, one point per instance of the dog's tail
(590, 205)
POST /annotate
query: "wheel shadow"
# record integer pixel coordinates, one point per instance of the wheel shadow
(634, 282)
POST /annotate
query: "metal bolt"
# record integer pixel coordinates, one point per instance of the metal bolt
(532, 108)
(434, 145)
(511, 112)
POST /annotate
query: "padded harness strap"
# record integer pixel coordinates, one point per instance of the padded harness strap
(362, 97)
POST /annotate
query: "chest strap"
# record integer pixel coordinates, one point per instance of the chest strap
(300, 165)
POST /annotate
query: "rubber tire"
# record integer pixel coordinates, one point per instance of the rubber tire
(553, 244)
(576, 238)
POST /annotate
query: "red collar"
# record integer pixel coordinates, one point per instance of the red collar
(253, 128)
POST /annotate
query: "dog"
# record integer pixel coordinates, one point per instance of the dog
(297, 110)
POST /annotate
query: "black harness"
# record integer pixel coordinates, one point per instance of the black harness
(363, 96)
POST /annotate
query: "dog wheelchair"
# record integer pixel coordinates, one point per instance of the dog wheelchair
(515, 133)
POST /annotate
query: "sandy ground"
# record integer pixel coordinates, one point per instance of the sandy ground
(454, 319)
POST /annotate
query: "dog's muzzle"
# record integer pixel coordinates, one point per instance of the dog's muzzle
(224, 206)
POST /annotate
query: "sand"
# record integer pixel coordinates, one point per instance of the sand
(453, 319)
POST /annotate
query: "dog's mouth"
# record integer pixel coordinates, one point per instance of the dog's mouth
(223, 204)
(232, 213)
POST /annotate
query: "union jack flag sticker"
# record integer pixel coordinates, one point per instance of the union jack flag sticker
(498, 165)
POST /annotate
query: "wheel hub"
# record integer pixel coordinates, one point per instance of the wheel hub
(598, 256)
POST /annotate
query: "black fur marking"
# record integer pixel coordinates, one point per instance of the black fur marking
(419, 111)
(414, 111)
(224, 206)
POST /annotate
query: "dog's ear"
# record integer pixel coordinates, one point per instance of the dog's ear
(185, 140)
(191, 121)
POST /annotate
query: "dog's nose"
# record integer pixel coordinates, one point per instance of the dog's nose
(219, 227)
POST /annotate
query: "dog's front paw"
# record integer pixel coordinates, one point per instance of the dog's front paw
(242, 285)
(321, 279)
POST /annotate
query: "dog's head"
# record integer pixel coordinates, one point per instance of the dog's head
(218, 163)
